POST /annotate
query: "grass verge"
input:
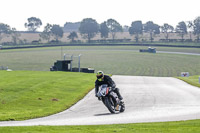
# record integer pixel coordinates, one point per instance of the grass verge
(28, 94)
(193, 80)
(192, 126)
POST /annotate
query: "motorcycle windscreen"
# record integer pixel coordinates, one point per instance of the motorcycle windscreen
(103, 90)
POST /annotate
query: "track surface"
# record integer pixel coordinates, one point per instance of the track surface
(147, 99)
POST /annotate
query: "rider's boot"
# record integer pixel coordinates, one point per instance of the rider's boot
(117, 107)
(118, 94)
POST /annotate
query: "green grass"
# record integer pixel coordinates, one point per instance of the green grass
(164, 127)
(193, 80)
(40, 88)
(28, 94)
(14, 78)
(172, 49)
(123, 60)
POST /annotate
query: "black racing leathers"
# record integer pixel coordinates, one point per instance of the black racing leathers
(106, 80)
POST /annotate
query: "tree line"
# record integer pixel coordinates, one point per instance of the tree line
(89, 28)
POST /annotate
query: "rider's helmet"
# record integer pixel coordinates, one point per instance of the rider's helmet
(100, 75)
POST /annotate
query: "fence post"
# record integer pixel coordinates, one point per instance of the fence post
(79, 63)
(199, 79)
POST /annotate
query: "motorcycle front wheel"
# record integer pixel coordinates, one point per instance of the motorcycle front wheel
(109, 105)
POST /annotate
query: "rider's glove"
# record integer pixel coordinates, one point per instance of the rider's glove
(99, 98)
(113, 88)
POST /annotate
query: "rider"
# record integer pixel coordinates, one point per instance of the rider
(105, 79)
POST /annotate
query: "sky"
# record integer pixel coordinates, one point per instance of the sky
(16, 12)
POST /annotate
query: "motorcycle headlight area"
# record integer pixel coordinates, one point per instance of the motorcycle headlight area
(102, 93)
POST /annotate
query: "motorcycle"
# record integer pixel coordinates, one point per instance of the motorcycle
(110, 99)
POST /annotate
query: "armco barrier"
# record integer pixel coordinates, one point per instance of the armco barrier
(106, 44)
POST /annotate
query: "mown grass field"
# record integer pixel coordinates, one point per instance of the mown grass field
(28, 94)
(123, 60)
(25, 90)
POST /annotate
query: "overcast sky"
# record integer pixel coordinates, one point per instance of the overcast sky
(16, 12)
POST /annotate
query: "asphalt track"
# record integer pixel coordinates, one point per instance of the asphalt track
(147, 99)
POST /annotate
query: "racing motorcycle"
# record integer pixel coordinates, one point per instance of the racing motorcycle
(110, 99)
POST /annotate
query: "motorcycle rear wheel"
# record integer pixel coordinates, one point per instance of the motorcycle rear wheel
(122, 107)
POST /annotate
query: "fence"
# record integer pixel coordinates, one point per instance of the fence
(3, 68)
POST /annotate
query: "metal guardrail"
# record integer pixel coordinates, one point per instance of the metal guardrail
(3, 68)
(106, 44)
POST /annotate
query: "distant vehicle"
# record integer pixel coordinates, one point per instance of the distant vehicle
(150, 50)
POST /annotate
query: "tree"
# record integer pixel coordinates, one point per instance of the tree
(125, 28)
(136, 29)
(33, 24)
(57, 32)
(181, 29)
(72, 36)
(70, 27)
(190, 29)
(195, 25)
(88, 28)
(114, 27)
(152, 29)
(104, 30)
(166, 29)
(4, 30)
(15, 35)
(46, 34)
